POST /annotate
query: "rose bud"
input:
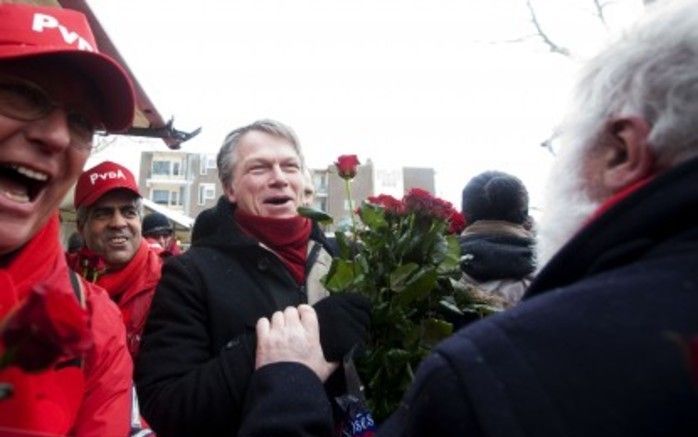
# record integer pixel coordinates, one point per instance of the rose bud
(347, 166)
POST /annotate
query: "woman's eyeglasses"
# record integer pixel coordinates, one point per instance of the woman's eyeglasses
(26, 101)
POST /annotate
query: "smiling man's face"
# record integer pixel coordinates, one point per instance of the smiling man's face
(267, 178)
(113, 228)
(39, 159)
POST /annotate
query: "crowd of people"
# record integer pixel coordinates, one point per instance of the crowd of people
(238, 335)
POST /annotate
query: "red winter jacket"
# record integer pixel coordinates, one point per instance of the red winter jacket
(94, 400)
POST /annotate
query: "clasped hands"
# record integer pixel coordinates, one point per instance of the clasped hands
(292, 335)
(318, 336)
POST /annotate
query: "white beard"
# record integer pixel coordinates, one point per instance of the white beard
(567, 206)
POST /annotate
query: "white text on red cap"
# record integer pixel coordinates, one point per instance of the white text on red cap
(94, 177)
(43, 21)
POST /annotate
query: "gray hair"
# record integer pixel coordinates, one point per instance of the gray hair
(227, 158)
(651, 72)
(83, 212)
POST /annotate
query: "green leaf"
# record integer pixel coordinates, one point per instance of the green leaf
(315, 214)
(419, 287)
(400, 275)
(450, 307)
(341, 275)
(373, 216)
(435, 330)
(395, 358)
(452, 260)
(343, 244)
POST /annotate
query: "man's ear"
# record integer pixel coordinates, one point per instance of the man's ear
(230, 193)
(627, 157)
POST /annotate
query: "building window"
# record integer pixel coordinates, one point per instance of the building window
(207, 162)
(320, 181)
(161, 197)
(164, 167)
(320, 203)
(210, 161)
(161, 168)
(206, 192)
(167, 197)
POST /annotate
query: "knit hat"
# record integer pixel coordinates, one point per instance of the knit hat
(75, 242)
(38, 32)
(155, 224)
(494, 195)
(97, 181)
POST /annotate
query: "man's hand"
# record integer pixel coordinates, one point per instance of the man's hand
(292, 336)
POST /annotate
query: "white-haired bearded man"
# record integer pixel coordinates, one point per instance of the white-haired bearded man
(598, 345)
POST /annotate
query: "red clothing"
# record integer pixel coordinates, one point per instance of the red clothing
(286, 237)
(171, 249)
(92, 401)
(132, 288)
(156, 247)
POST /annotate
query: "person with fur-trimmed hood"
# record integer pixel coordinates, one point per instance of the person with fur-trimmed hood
(497, 246)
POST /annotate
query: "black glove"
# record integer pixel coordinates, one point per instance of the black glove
(344, 320)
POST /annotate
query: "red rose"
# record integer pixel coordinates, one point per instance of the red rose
(91, 264)
(422, 202)
(49, 324)
(389, 203)
(456, 223)
(347, 166)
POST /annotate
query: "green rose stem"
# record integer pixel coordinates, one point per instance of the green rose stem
(347, 183)
(355, 237)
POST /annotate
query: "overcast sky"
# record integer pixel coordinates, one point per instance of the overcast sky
(433, 83)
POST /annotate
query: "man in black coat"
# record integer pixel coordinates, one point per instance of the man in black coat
(251, 255)
(597, 346)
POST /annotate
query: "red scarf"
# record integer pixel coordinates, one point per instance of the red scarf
(118, 282)
(620, 195)
(47, 401)
(40, 260)
(287, 237)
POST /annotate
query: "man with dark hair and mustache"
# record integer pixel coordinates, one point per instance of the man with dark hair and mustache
(599, 345)
(109, 212)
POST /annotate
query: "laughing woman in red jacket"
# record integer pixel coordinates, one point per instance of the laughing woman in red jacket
(64, 366)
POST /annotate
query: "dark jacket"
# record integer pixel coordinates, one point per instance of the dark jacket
(497, 258)
(595, 348)
(197, 353)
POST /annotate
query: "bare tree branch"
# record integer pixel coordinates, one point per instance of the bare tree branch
(101, 142)
(515, 40)
(541, 33)
(599, 12)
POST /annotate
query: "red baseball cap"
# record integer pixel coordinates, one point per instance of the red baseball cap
(97, 181)
(30, 32)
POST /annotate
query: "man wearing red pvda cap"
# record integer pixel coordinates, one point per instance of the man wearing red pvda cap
(56, 90)
(109, 214)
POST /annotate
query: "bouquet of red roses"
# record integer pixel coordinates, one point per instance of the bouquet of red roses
(404, 256)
